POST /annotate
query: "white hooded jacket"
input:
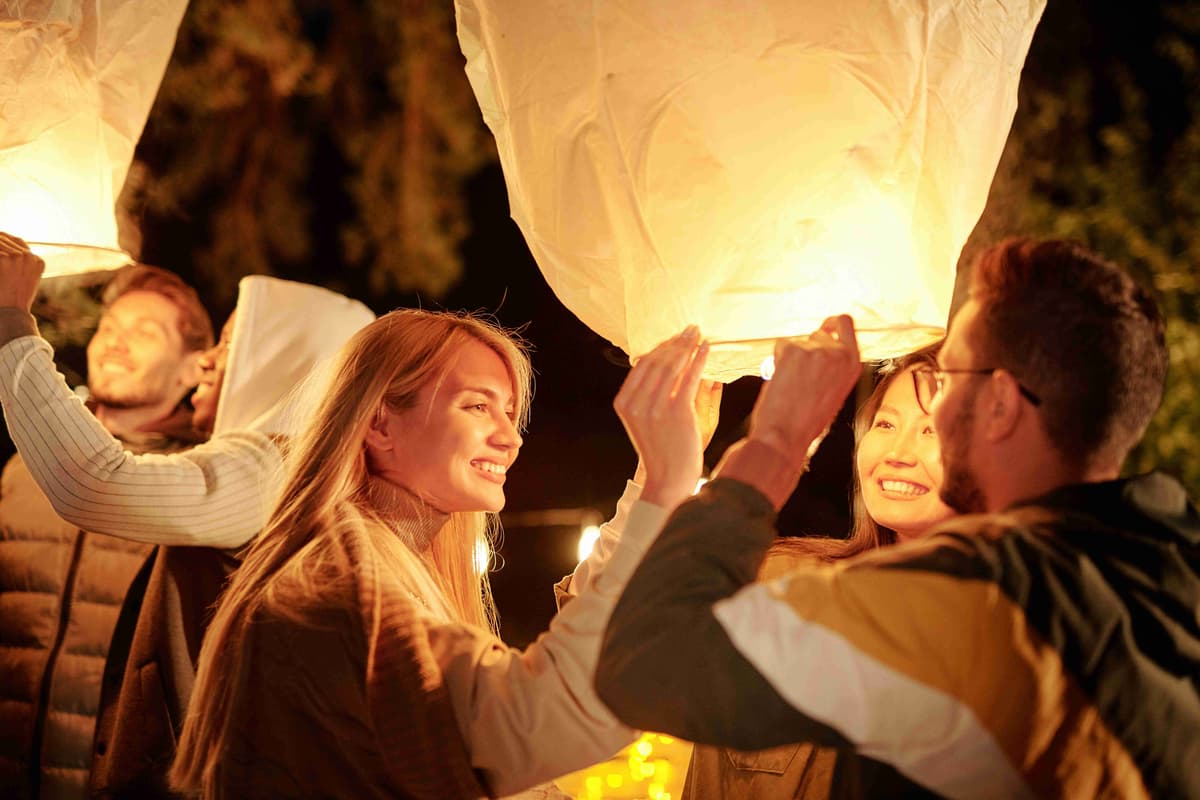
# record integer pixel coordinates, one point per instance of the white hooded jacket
(283, 334)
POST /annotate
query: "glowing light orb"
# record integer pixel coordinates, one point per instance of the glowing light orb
(587, 540)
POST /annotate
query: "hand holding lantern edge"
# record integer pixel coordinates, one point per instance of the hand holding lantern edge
(20, 273)
(812, 377)
(669, 415)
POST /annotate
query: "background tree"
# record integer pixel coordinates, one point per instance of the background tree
(1105, 150)
(328, 140)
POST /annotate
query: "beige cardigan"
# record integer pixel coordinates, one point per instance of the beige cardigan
(390, 700)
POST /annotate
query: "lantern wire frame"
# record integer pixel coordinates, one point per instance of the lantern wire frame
(66, 258)
(750, 344)
(868, 338)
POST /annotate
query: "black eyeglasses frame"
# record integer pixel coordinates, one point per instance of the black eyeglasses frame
(938, 375)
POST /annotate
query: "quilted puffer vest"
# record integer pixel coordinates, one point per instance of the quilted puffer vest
(61, 590)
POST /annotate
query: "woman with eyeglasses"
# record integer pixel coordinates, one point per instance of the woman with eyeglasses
(898, 472)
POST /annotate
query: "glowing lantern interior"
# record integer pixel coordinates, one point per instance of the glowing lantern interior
(77, 79)
(752, 167)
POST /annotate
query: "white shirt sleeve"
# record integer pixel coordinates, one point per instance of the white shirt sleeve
(530, 716)
(218, 494)
(610, 537)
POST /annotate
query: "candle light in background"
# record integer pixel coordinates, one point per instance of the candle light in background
(748, 167)
(587, 540)
(77, 79)
(653, 767)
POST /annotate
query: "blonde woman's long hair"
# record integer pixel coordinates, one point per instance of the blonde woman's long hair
(294, 565)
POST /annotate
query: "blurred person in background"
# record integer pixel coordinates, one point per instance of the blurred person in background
(192, 509)
(61, 583)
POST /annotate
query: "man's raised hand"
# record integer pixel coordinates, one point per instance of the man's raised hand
(812, 377)
(20, 273)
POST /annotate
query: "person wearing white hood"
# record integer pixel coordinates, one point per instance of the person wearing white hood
(198, 505)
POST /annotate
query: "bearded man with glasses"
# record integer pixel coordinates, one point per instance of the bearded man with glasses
(1045, 645)
(961, 491)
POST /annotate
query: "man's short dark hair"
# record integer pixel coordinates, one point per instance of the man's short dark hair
(195, 326)
(1082, 334)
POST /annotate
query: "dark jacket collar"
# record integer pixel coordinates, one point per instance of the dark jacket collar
(1154, 499)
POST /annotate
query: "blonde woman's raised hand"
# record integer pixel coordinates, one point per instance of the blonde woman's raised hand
(812, 377)
(658, 405)
(20, 273)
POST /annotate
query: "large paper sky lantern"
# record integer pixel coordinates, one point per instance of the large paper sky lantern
(749, 166)
(77, 79)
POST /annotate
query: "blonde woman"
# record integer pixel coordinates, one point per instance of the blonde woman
(353, 654)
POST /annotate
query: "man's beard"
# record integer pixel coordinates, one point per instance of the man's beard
(139, 397)
(960, 490)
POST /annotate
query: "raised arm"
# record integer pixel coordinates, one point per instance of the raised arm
(711, 548)
(527, 717)
(899, 655)
(896, 655)
(685, 467)
(217, 495)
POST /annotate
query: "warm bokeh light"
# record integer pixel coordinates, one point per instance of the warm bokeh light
(587, 540)
(654, 767)
(482, 556)
(77, 80)
(751, 168)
